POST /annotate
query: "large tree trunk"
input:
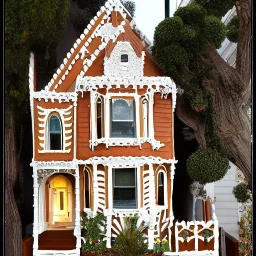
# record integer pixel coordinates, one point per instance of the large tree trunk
(233, 126)
(13, 228)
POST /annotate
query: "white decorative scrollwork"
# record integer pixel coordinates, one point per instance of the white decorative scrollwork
(52, 96)
(66, 120)
(133, 67)
(53, 164)
(42, 174)
(107, 30)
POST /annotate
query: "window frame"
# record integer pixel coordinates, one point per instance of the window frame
(108, 118)
(132, 121)
(87, 170)
(48, 133)
(165, 205)
(135, 187)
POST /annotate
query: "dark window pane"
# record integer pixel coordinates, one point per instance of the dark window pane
(61, 201)
(124, 198)
(122, 110)
(124, 58)
(86, 190)
(124, 177)
(160, 188)
(55, 124)
(55, 141)
(122, 129)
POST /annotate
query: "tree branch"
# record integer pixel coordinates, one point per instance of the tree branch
(243, 58)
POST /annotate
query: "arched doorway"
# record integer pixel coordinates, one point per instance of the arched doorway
(59, 199)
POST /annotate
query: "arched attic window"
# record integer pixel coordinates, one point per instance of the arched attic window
(161, 188)
(54, 141)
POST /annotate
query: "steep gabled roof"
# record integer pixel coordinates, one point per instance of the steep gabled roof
(103, 31)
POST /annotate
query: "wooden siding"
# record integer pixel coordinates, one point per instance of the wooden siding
(162, 126)
(50, 156)
(226, 204)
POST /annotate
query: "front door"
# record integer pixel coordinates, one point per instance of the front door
(61, 205)
(60, 202)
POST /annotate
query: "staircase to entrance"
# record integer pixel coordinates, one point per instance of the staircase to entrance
(57, 240)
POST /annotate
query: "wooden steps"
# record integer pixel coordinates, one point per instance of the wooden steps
(57, 240)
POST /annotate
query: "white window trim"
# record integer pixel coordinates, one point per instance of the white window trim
(47, 141)
(44, 130)
(165, 206)
(136, 141)
(87, 169)
(111, 188)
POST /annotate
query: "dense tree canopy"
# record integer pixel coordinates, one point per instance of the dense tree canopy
(215, 94)
(29, 26)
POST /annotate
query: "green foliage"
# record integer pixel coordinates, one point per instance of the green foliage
(207, 233)
(217, 8)
(86, 11)
(207, 165)
(131, 241)
(161, 246)
(199, 101)
(93, 234)
(241, 192)
(29, 26)
(212, 140)
(233, 29)
(192, 14)
(215, 31)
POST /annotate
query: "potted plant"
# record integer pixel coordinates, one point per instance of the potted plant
(131, 241)
(160, 246)
(93, 232)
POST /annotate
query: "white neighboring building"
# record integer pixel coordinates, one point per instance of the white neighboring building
(227, 207)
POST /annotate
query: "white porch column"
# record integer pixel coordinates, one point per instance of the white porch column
(77, 231)
(36, 211)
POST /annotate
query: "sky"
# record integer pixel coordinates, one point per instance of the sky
(149, 13)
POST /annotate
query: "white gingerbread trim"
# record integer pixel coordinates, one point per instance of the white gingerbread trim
(113, 67)
(55, 96)
(65, 117)
(163, 85)
(31, 91)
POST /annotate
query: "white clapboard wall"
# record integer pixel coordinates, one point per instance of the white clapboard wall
(226, 204)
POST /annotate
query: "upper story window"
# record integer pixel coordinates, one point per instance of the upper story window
(124, 58)
(99, 110)
(122, 119)
(54, 141)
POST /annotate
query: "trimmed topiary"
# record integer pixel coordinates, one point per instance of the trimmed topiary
(207, 165)
(233, 29)
(241, 192)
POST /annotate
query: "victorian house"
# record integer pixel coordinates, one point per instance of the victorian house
(103, 138)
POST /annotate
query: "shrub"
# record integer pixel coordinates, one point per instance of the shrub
(241, 192)
(233, 29)
(131, 241)
(207, 165)
(161, 246)
(93, 233)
